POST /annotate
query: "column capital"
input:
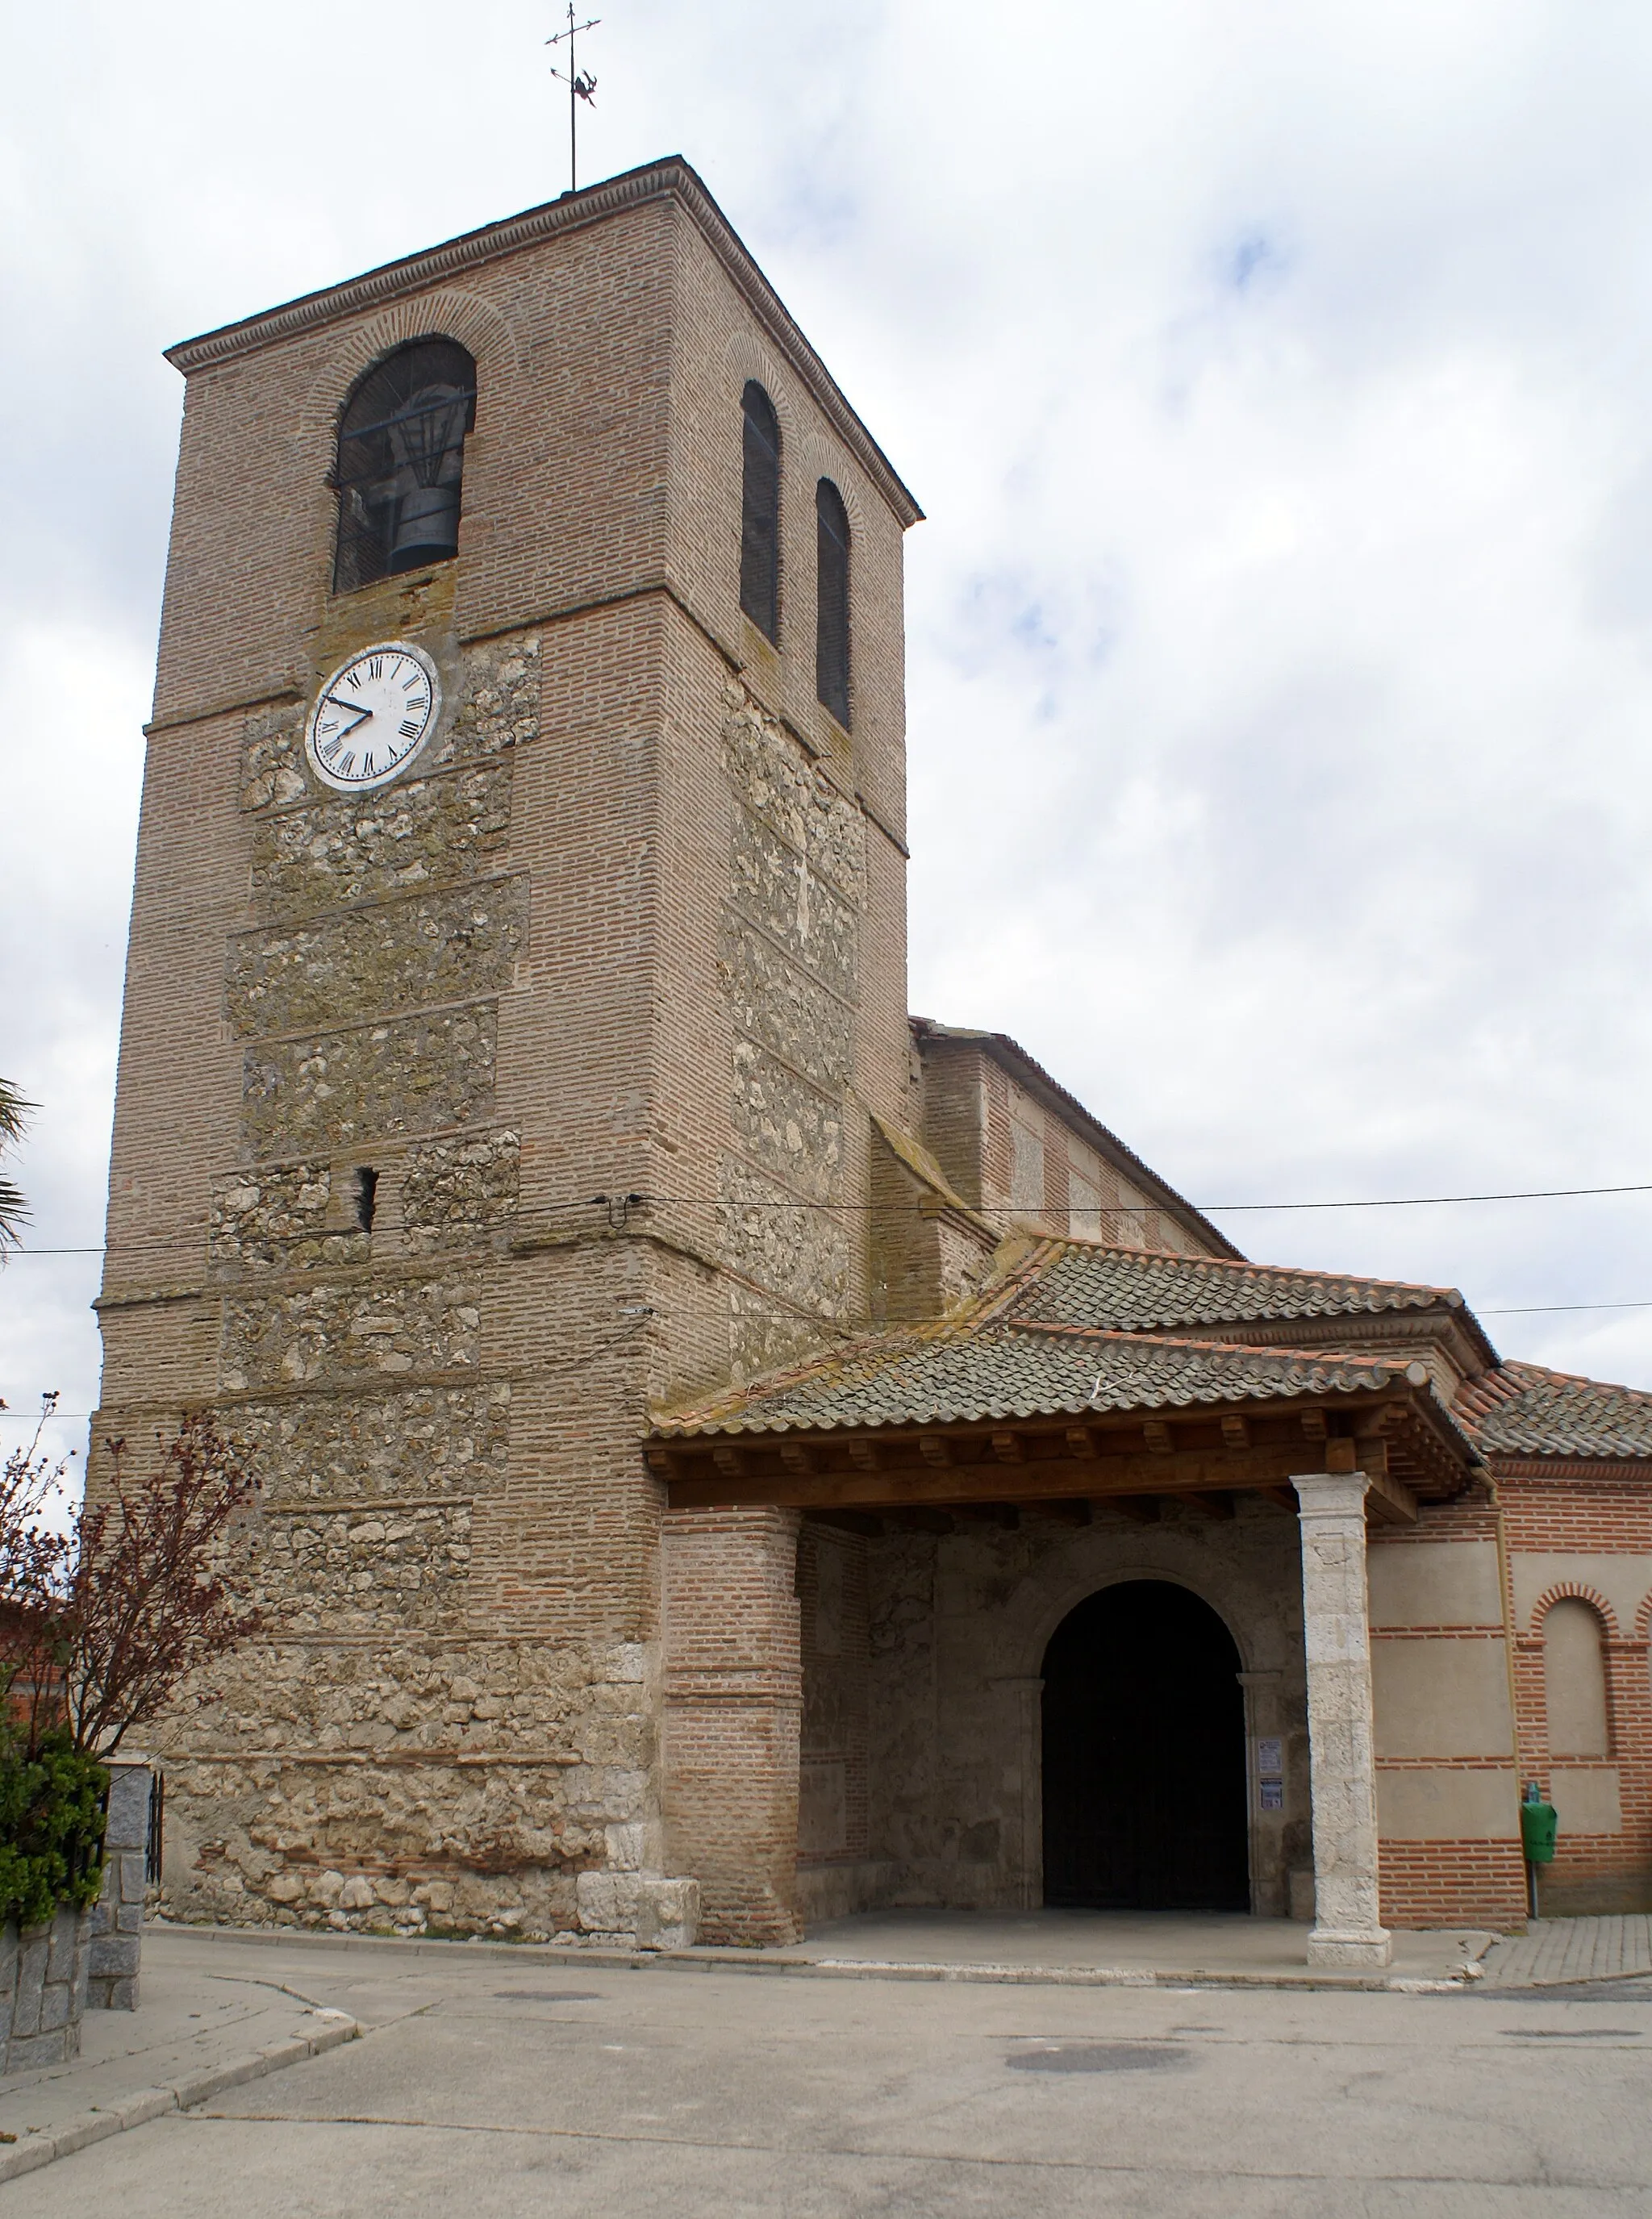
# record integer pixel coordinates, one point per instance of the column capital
(1330, 1493)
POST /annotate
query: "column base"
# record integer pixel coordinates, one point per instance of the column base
(1325, 1946)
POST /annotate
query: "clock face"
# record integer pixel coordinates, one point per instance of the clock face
(372, 716)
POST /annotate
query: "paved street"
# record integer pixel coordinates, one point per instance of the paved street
(494, 2089)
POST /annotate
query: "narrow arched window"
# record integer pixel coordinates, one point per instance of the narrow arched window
(832, 601)
(1574, 1681)
(401, 464)
(759, 512)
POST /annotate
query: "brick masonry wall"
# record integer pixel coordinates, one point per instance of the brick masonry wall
(1027, 1168)
(1588, 1536)
(1446, 1785)
(733, 1699)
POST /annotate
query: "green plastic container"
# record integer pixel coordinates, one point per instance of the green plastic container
(1538, 1824)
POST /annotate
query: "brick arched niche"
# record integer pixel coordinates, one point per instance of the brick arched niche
(959, 1623)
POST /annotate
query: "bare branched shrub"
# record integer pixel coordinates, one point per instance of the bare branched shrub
(103, 1613)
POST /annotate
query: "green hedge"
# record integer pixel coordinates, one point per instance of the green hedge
(52, 1807)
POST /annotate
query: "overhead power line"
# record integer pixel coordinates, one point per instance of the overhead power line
(1087, 1209)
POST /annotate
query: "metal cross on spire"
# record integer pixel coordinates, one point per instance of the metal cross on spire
(581, 87)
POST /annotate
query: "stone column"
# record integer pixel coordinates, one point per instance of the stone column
(117, 1916)
(1337, 1635)
(734, 1715)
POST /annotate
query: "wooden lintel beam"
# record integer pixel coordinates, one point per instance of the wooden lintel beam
(937, 1480)
(1389, 1498)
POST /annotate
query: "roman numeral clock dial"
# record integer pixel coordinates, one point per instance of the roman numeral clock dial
(372, 718)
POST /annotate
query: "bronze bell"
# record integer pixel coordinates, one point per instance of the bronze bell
(428, 443)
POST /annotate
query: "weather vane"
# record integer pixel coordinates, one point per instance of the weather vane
(581, 87)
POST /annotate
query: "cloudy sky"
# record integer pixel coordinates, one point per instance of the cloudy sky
(1277, 378)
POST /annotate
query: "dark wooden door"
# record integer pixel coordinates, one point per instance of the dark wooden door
(1143, 1755)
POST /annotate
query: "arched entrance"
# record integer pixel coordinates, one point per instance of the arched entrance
(1143, 1755)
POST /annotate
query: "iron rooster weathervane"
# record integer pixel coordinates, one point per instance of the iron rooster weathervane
(581, 86)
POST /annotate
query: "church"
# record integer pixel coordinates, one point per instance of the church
(731, 1453)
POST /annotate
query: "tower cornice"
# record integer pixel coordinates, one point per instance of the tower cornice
(670, 179)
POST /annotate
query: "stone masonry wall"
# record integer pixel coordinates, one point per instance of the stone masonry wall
(796, 891)
(959, 1623)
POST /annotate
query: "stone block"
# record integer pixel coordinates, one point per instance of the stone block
(654, 1912)
(113, 1954)
(61, 1950)
(1349, 1950)
(31, 1982)
(55, 1999)
(667, 1914)
(29, 2052)
(128, 1815)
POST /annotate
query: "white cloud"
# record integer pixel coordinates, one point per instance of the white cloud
(1281, 641)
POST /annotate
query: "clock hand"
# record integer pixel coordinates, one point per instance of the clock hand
(350, 708)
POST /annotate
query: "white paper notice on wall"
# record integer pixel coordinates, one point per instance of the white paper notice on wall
(1272, 1794)
(1269, 1756)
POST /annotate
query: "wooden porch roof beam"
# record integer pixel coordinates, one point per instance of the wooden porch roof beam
(695, 1482)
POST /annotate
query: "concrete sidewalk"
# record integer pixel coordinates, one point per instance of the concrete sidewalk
(1555, 1952)
(204, 2026)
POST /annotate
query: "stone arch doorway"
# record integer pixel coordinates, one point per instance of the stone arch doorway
(1144, 1783)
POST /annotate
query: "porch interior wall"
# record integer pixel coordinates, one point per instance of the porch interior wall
(957, 1624)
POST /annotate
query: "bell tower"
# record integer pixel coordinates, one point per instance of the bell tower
(516, 973)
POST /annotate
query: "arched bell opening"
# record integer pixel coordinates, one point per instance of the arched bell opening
(1145, 1781)
(399, 470)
